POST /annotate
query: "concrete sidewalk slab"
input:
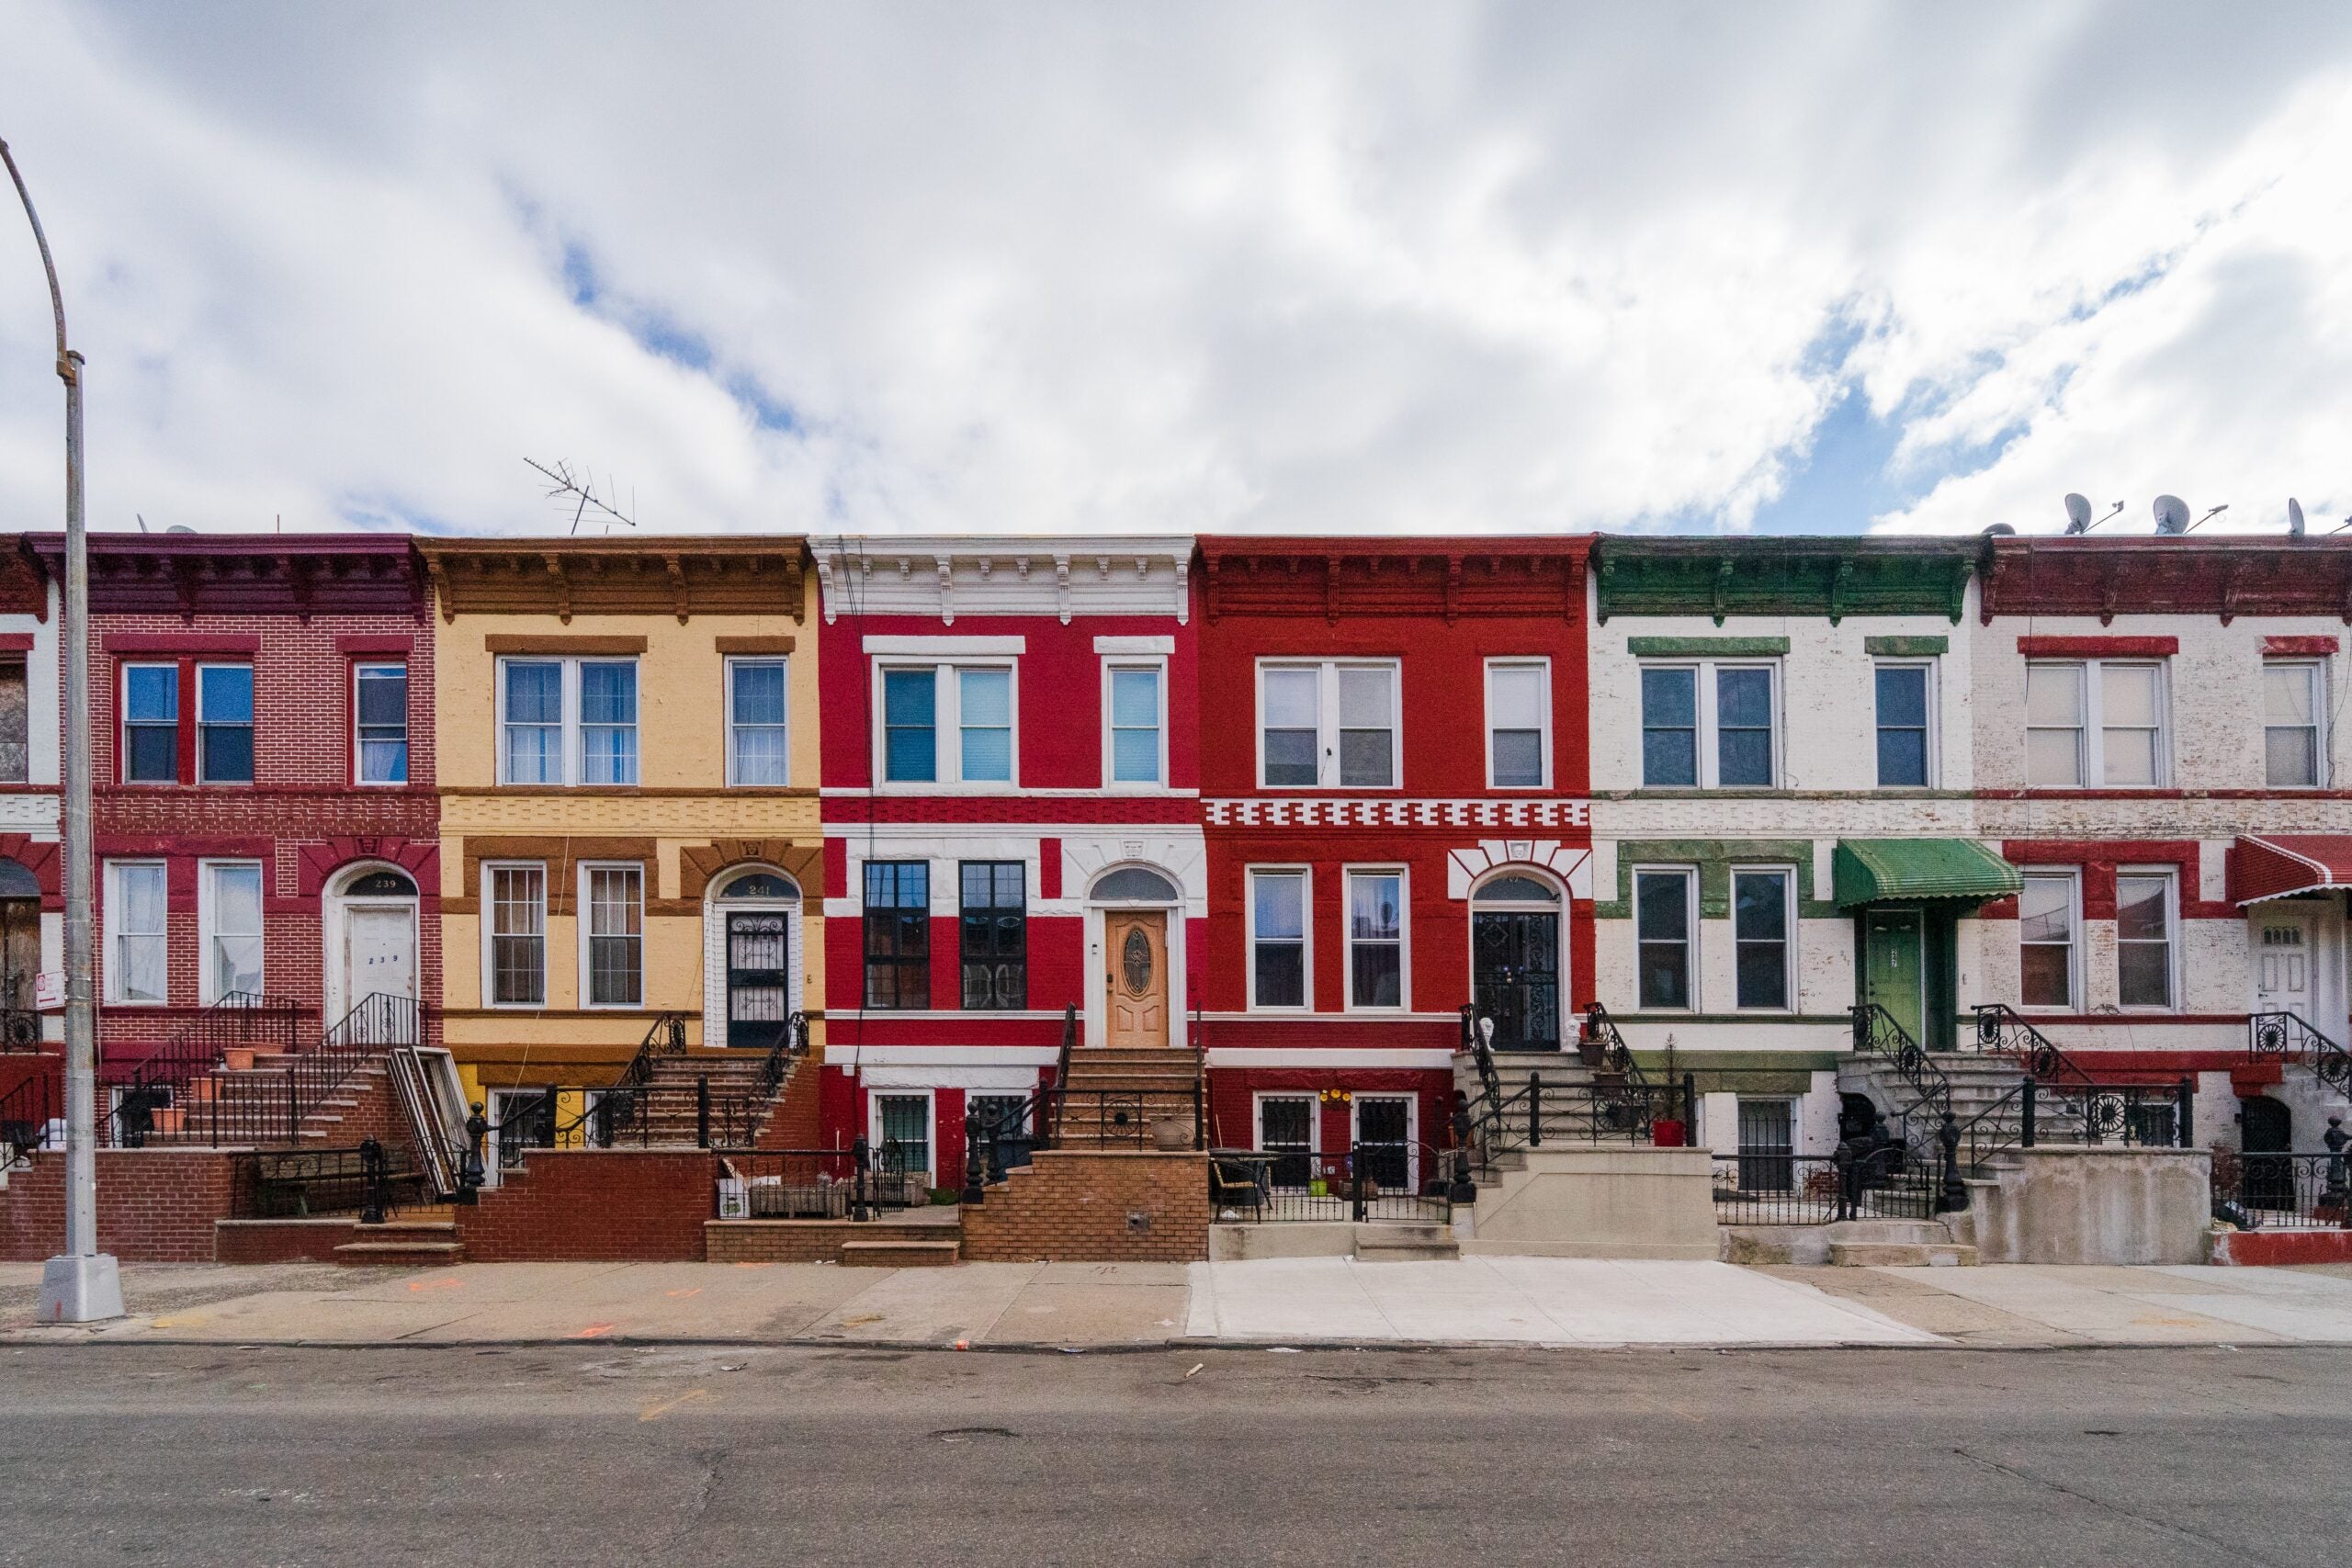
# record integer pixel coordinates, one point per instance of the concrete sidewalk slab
(2185, 1304)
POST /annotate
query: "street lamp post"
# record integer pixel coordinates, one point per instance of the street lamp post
(82, 1284)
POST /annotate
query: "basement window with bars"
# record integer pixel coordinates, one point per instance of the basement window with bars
(615, 898)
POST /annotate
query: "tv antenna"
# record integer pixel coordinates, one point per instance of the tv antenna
(2078, 513)
(578, 493)
(2294, 518)
(2207, 518)
(2172, 514)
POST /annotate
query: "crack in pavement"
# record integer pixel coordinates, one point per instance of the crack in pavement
(2232, 1551)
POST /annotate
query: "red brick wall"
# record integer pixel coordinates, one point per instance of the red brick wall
(798, 1114)
(616, 1205)
(154, 1205)
(1074, 1205)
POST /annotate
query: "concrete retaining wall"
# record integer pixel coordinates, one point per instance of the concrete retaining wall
(1599, 1202)
(2073, 1204)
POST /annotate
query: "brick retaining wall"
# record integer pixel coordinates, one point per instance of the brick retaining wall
(154, 1205)
(601, 1205)
(1082, 1204)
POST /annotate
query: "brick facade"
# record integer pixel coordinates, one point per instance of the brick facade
(1084, 1205)
(615, 1205)
(154, 1205)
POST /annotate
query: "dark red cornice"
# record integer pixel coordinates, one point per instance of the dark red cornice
(2222, 577)
(1361, 575)
(253, 575)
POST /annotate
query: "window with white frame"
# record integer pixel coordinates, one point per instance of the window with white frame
(2143, 939)
(1710, 725)
(1759, 930)
(1664, 908)
(1277, 938)
(379, 722)
(1519, 723)
(614, 898)
(228, 909)
(2095, 722)
(515, 897)
(1328, 725)
(135, 918)
(901, 1134)
(2293, 747)
(1902, 693)
(2048, 919)
(759, 750)
(1138, 725)
(568, 721)
(947, 724)
(1375, 939)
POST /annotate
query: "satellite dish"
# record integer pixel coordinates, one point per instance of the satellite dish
(2078, 513)
(2172, 514)
(2294, 518)
(179, 528)
(2004, 529)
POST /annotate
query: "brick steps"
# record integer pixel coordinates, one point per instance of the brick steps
(896, 1254)
(428, 1241)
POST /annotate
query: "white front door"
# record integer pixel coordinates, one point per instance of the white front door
(2283, 967)
(378, 951)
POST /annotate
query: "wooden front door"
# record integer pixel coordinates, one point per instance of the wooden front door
(378, 953)
(1135, 950)
(1893, 970)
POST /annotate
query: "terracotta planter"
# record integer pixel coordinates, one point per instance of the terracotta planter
(1592, 1053)
(238, 1058)
(1169, 1134)
(167, 1118)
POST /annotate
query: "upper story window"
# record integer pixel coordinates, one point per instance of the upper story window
(1663, 910)
(1708, 725)
(380, 718)
(995, 933)
(1519, 728)
(1375, 939)
(16, 722)
(1903, 730)
(1760, 930)
(135, 923)
(2047, 918)
(1277, 938)
(1138, 725)
(1331, 724)
(947, 724)
(150, 723)
(898, 934)
(156, 735)
(614, 897)
(224, 724)
(516, 899)
(2294, 748)
(228, 927)
(2095, 722)
(568, 721)
(758, 744)
(2144, 942)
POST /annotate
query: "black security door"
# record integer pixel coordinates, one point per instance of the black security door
(1516, 976)
(759, 993)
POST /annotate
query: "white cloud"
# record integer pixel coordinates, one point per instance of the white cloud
(1063, 267)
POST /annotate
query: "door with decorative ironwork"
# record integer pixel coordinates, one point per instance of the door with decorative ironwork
(1515, 977)
(759, 978)
(1385, 1141)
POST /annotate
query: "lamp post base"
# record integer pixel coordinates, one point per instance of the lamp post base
(75, 1288)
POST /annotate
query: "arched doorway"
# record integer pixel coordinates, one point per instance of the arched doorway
(1515, 958)
(751, 947)
(1136, 908)
(370, 934)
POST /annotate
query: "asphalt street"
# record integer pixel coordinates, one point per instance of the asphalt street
(609, 1454)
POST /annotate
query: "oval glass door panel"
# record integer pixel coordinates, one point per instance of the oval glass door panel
(1138, 961)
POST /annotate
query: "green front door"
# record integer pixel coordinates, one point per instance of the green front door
(1893, 973)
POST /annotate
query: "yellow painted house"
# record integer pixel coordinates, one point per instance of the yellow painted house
(629, 824)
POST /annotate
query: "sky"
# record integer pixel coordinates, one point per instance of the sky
(1373, 267)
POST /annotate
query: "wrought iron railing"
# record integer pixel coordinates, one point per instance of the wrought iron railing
(1878, 1033)
(2282, 1191)
(853, 1183)
(1396, 1182)
(1787, 1189)
(27, 1113)
(19, 1029)
(2001, 1030)
(156, 1094)
(2288, 1037)
(2035, 1113)
(999, 1145)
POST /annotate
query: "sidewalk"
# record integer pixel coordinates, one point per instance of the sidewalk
(1278, 1302)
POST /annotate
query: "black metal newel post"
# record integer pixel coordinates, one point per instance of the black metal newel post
(702, 1111)
(371, 1164)
(1534, 1111)
(2186, 1113)
(1955, 1194)
(2025, 1103)
(975, 1166)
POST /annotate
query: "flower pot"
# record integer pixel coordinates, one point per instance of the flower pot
(167, 1118)
(238, 1058)
(1666, 1133)
(1170, 1134)
(1592, 1053)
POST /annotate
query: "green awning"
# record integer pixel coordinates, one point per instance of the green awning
(1879, 871)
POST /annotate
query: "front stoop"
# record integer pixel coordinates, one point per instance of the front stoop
(1895, 1244)
(893, 1253)
(429, 1243)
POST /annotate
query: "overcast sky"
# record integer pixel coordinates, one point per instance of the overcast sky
(1185, 267)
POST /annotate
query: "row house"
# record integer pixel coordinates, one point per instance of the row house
(1012, 777)
(1784, 813)
(31, 888)
(1394, 774)
(263, 778)
(627, 737)
(2159, 754)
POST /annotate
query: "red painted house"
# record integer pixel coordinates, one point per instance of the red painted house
(1393, 796)
(265, 813)
(1010, 799)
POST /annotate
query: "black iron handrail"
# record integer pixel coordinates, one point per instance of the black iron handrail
(26, 1112)
(1783, 1188)
(2288, 1037)
(19, 1029)
(2001, 1030)
(777, 1064)
(1878, 1033)
(238, 1020)
(995, 1147)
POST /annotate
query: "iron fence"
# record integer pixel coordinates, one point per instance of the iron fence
(1404, 1182)
(2282, 1191)
(1775, 1189)
(855, 1183)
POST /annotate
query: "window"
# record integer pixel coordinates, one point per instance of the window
(567, 721)
(2122, 704)
(15, 725)
(135, 931)
(1662, 937)
(1375, 939)
(151, 724)
(2291, 704)
(2046, 941)
(1287, 1128)
(379, 709)
(2143, 939)
(228, 927)
(973, 703)
(615, 898)
(1902, 725)
(224, 724)
(1137, 725)
(902, 1135)
(758, 751)
(517, 897)
(995, 935)
(1760, 918)
(1708, 726)
(1327, 725)
(1766, 1144)
(898, 934)
(1519, 708)
(1277, 939)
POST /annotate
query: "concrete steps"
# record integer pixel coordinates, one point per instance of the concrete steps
(1896, 1244)
(407, 1242)
(1390, 1242)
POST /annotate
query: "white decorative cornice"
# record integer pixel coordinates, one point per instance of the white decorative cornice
(972, 575)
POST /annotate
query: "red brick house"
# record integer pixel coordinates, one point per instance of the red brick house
(264, 811)
(1393, 805)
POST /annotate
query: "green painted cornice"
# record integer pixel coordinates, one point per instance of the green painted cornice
(1832, 577)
